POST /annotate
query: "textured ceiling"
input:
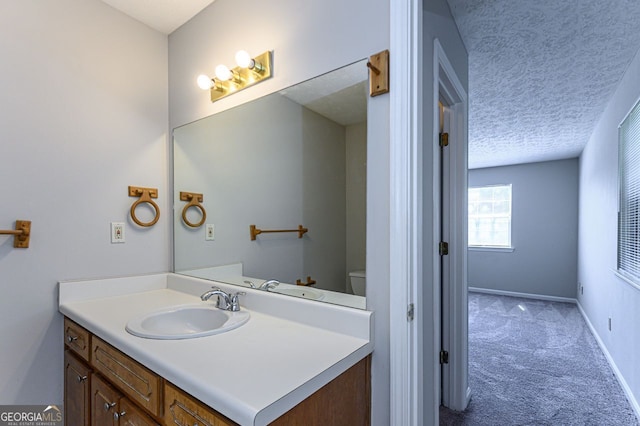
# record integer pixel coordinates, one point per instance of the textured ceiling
(541, 73)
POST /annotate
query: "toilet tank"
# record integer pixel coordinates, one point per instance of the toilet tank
(358, 282)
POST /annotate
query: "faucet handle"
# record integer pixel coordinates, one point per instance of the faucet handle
(235, 304)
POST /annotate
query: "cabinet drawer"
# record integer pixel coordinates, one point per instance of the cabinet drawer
(138, 382)
(182, 409)
(76, 338)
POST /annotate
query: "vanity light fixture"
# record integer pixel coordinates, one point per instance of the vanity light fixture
(249, 71)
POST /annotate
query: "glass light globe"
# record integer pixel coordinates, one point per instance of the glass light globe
(243, 59)
(223, 72)
(204, 82)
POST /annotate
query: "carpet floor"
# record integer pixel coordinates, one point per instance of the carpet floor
(534, 362)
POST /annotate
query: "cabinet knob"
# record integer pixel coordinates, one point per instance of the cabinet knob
(71, 339)
(116, 416)
(82, 379)
(108, 406)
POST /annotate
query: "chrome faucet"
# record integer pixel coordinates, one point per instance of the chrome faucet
(269, 284)
(226, 301)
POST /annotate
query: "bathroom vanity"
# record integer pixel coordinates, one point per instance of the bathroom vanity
(294, 361)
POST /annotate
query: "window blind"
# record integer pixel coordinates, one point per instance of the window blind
(629, 197)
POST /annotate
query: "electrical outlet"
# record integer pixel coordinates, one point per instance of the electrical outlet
(581, 290)
(209, 230)
(117, 232)
(609, 323)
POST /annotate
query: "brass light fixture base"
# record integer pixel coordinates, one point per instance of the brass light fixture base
(245, 77)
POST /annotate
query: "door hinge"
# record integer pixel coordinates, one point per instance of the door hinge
(444, 139)
(444, 357)
(410, 312)
(443, 248)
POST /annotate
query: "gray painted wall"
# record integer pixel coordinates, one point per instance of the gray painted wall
(83, 114)
(356, 178)
(544, 231)
(605, 295)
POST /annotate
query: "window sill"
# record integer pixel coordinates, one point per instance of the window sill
(626, 279)
(495, 249)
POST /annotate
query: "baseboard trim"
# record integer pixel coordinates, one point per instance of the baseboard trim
(525, 295)
(625, 387)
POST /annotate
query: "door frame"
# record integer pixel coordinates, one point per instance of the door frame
(455, 338)
(405, 216)
(409, 381)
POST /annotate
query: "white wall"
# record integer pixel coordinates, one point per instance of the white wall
(84, 114)
(308, 39)
(544, 230)
(606, 296)
(356, 198)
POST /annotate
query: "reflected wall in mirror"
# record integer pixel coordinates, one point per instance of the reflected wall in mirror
(296, 157)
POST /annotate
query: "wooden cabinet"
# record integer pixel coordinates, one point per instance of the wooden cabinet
(77, 390)
(77, 339)
(182, 409)
(346, 400)
(110, 407)
(134, 416)
(104, 401)
(105, 387)
(139, 383)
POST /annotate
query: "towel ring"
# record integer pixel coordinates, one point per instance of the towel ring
(194, 200)
(146, 195)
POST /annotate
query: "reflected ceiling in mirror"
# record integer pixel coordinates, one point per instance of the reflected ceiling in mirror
(296, 158)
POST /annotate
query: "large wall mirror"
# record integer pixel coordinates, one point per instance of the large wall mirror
(289, 159)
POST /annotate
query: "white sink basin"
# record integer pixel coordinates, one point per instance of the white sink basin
(185, 322)
(307, 293)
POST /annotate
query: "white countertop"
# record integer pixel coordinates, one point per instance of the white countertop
(287, 350)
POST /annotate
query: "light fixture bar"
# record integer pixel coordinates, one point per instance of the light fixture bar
(246, 77)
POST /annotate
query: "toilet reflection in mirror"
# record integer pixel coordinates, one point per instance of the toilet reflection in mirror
(295, 157)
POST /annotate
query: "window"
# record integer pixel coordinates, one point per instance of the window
(629, 197)
(490, 216)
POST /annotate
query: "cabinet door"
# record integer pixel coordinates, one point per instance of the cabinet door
(343, 401)
(182, 409)
(77, 391)
(130, 415)
(104, 403)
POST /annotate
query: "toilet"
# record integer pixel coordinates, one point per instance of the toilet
(358, 282)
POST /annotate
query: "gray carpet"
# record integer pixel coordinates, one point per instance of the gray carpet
(535, 362)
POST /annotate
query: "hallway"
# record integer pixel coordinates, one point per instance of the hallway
(534, 362)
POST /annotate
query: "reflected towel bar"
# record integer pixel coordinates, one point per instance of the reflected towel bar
(194, 200)
(21, 234)
(255, 231)
(309, 282)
